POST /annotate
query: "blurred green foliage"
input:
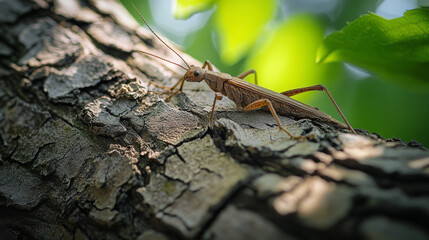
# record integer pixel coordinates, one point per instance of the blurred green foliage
(282, 46)
(241, 26)
(186, 8)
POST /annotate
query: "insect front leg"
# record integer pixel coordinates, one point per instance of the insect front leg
(167, 89)
(218, 96)
(208, 64)
(319, 88)
(266, 102)
(181, 81)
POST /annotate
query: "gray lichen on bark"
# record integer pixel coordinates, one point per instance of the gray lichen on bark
(87, 152)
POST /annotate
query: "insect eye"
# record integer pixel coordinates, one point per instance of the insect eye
(196, 73)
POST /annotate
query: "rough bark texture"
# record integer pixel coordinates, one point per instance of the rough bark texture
(87, 153)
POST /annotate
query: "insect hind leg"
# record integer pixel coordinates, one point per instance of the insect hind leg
(319, 88)
(266, 102)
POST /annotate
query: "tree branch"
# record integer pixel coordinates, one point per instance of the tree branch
(88, 153)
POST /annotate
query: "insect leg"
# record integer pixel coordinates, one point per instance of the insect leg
(218, 96)
(266, 102)
(248, 72)
(159, 86)
(181, 81)
(319, 88)
(208, 64)
(167, 89)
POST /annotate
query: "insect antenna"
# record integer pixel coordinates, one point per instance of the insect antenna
(153, 55)
(147, 24)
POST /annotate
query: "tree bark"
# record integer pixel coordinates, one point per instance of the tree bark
(87, 152)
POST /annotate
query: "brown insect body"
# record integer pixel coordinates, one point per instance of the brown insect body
(243, 93)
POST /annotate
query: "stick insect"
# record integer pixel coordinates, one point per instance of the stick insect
(248, 96)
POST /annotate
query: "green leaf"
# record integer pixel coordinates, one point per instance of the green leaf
(396, 49)
(186, 8)
(240, 24)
